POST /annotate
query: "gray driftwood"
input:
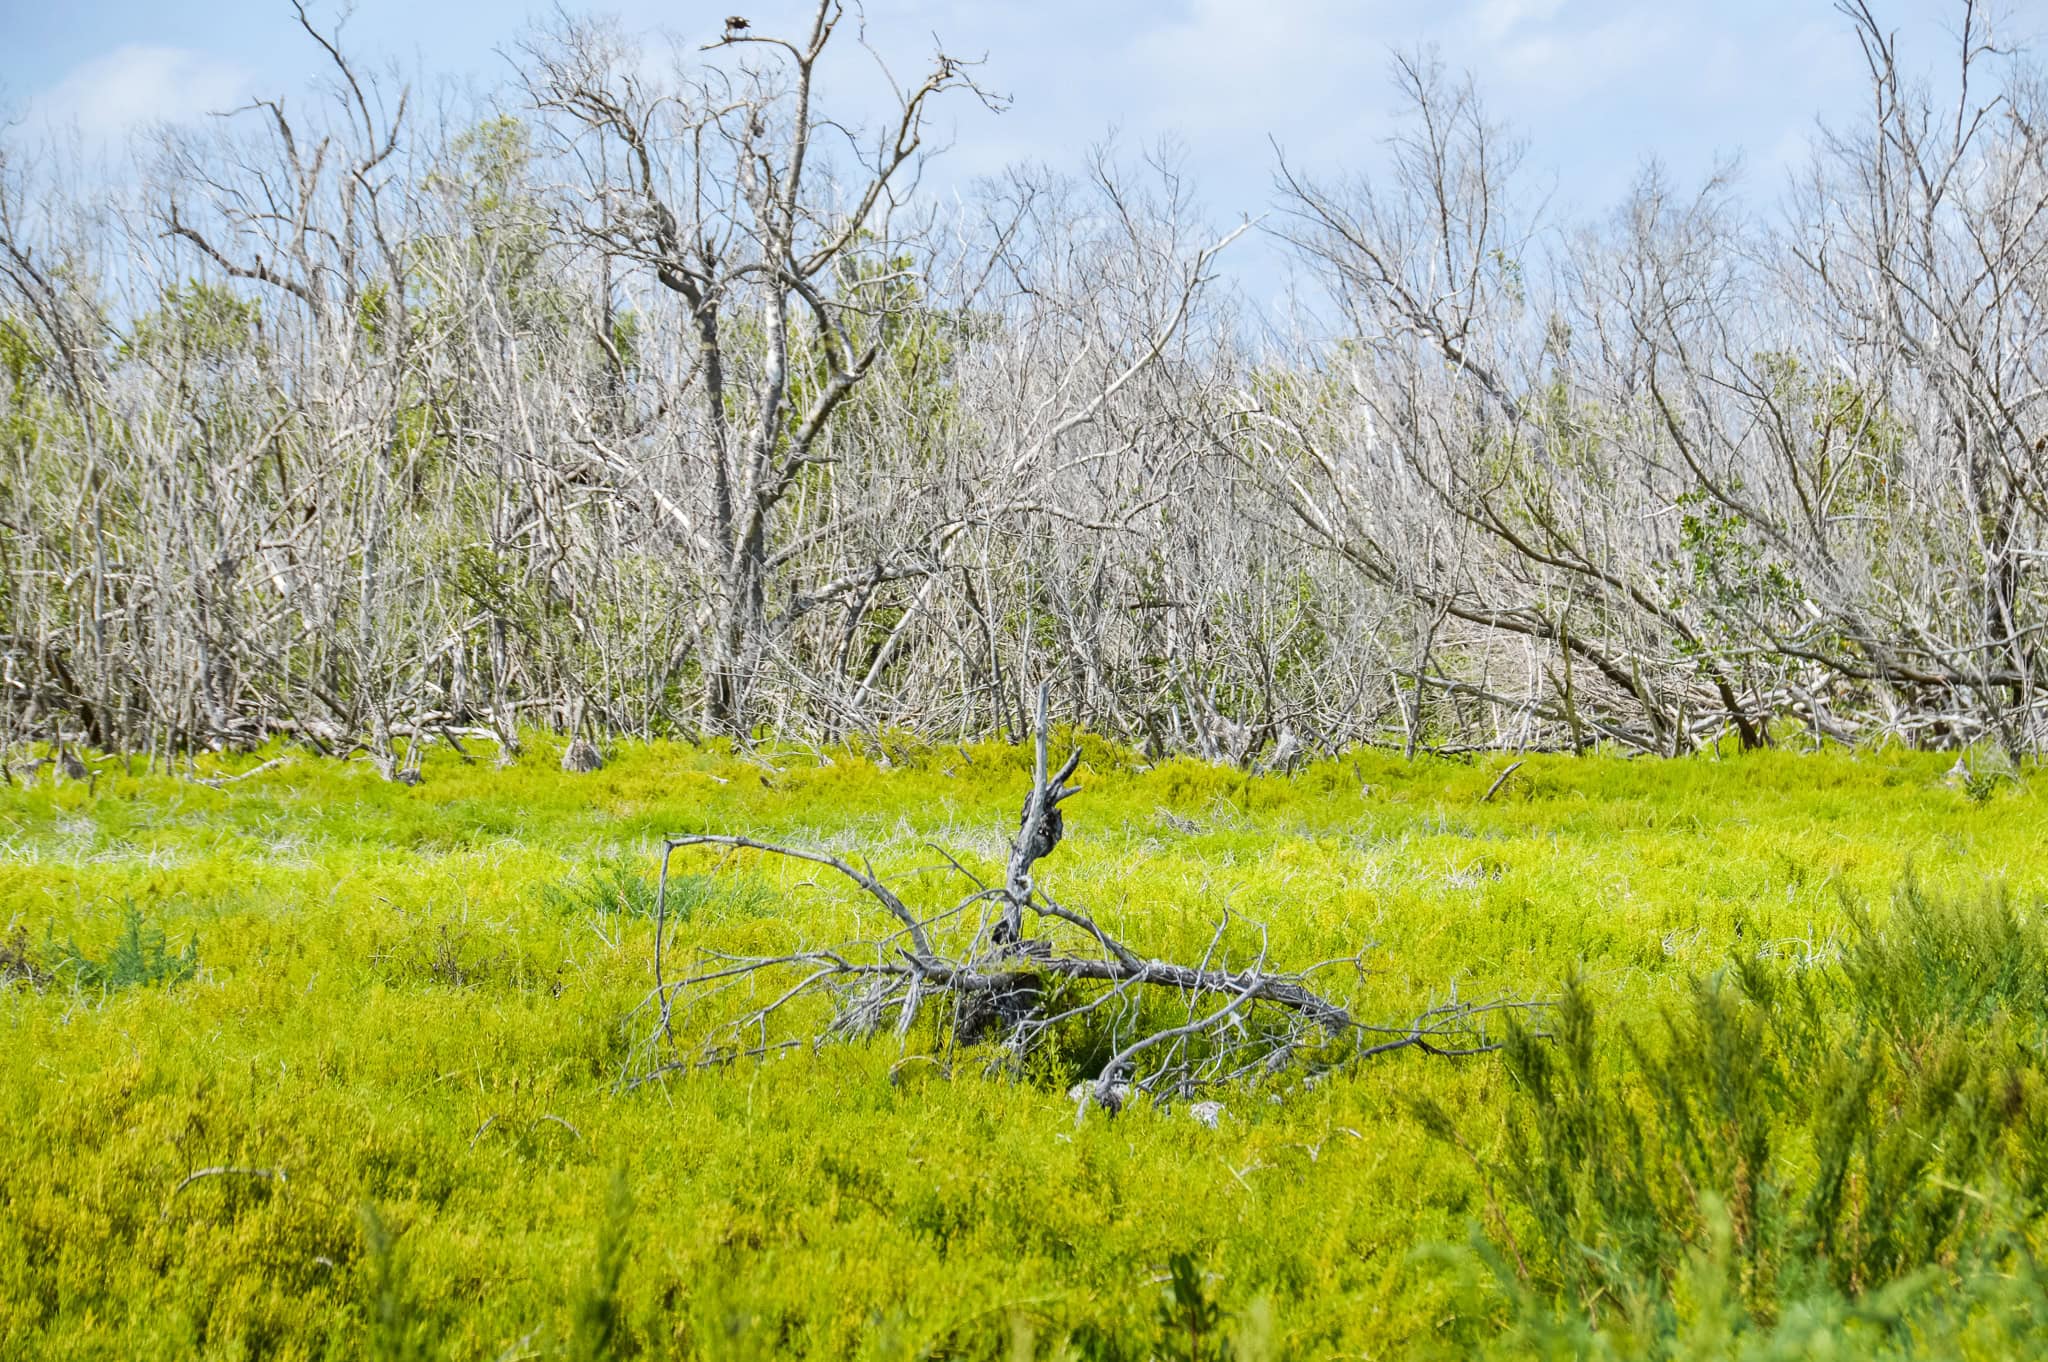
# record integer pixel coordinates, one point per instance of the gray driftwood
(1007, 966)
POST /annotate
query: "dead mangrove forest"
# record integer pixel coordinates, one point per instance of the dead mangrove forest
(651, 400)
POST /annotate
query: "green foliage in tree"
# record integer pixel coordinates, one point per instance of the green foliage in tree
(194, 321)
(21, 358)
(489, 175)
(493, 583)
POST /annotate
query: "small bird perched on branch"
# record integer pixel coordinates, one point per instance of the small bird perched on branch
(735, 25)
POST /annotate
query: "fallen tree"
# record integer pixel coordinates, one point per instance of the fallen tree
(1160, 1028)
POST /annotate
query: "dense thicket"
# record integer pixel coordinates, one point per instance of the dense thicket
(639, 405)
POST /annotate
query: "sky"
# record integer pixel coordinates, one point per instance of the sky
(1595, 87)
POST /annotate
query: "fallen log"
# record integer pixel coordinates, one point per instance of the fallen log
(1173, 1027)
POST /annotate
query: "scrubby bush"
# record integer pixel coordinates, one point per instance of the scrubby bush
(627, 887)
(1861, 1145)
(140, 957)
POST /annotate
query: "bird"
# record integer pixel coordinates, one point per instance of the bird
(735, 25)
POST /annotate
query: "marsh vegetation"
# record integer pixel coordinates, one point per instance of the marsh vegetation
(1791, 1095)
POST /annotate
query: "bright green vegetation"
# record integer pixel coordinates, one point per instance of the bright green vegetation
(390, 1020)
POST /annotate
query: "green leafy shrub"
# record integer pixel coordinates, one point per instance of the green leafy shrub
(1930, 1315)
(1981, 785)
(397, 1332)
(598, 1331)
(141, 957)
(1190, 1319)
(611, 888)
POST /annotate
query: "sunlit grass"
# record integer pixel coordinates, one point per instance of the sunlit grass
(410, 999)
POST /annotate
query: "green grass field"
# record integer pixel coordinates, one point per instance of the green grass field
(311, 1064)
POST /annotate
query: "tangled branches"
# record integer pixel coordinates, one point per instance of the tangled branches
(1126, 1022)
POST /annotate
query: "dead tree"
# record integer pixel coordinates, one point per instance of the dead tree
(1038, 832)
(1170, 1028)
(720, 192)
(1440, 473)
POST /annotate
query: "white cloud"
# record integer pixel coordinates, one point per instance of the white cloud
(133, 85)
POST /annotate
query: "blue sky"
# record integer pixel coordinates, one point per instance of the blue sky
(1595, 86)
